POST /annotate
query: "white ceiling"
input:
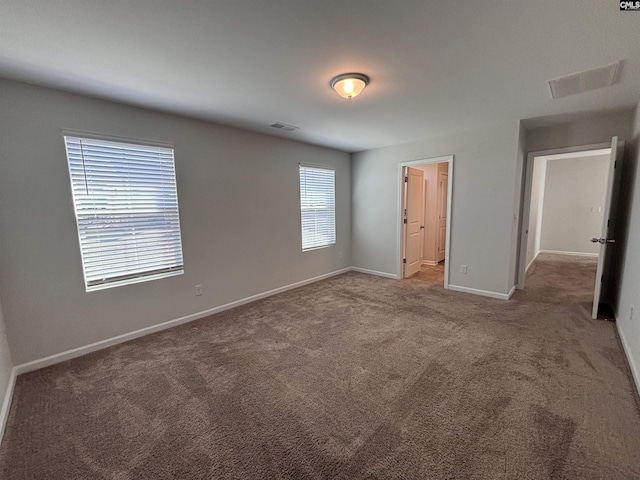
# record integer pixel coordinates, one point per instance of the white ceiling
(436, 66)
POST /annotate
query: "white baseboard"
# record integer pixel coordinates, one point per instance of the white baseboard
(635, 374)
(531, 262)
(511, 292)
(484, 293)
(575, 254)
(430, 263)
(78, 352)
(375, 272)
(6, 403)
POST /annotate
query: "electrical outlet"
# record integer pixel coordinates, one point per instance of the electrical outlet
(463, 269)
(198, 290)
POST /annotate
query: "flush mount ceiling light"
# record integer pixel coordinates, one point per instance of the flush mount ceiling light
(349, 85)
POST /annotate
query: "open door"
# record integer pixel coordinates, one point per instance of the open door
(413, 220)
(605, 239)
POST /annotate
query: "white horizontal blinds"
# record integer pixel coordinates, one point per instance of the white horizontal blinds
(317, 206)
(126, 207)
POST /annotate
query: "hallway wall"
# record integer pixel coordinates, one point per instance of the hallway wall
(575, 191)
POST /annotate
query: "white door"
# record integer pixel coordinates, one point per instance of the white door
(443, 182)
(607, 228)
(413, 218)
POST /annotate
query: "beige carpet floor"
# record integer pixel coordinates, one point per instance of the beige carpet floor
(353, 377)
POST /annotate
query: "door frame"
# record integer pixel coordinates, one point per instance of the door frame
(525, 210)
(399, 216)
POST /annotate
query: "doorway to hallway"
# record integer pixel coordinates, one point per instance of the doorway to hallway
(569, 211)
(424, 219)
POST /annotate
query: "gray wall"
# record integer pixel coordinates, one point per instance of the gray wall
(574, 187)
(629, 261)
(239, 210)
(535, 215)
(484, 188)
(598, 128)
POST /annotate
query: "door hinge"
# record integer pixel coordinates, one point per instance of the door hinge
(406, 179)
(615, 164)
(405, 221)
(608, 222)
(601, 278)
(404, 260)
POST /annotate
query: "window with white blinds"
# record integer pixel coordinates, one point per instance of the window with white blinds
(317, 207)
(126, 206)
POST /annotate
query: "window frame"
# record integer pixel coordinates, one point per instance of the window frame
(332, 241)
(141, 276)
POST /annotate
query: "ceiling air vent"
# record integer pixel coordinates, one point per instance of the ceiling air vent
(285, 127)
(584, 81)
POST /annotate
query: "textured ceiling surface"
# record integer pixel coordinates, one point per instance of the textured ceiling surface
(435, 66)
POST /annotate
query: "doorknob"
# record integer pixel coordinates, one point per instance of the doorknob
(602, 240)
